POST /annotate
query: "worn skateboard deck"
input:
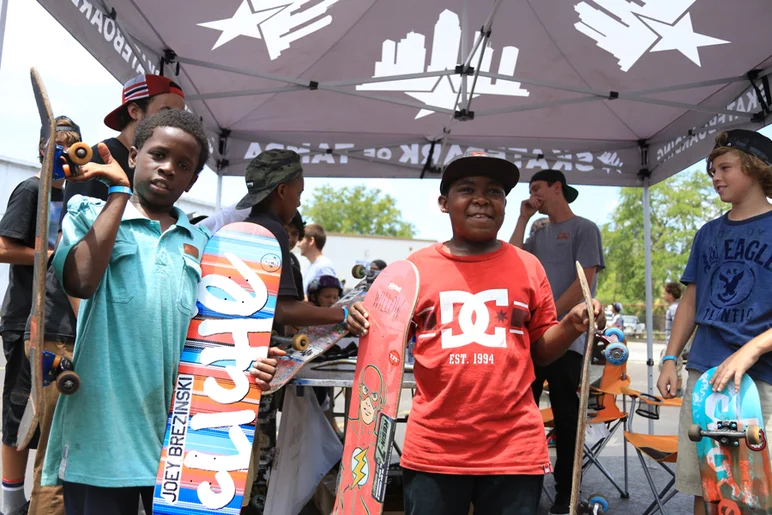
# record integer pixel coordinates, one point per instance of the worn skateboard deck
(596, 503)
(736, 471)
(372, 415)
(320, 338)
(46, 367)
(211, 426)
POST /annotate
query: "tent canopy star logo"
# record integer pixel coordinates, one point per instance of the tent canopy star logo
(409, 56)
(628, 29)
(274, 21)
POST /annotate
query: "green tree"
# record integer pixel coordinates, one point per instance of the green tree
(357, 210)
(680, 205)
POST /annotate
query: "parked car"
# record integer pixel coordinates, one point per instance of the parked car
(633, 326)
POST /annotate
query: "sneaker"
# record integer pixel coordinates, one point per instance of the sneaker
(551, 440)
(560, 506)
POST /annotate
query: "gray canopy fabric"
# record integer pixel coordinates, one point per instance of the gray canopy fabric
(609, 91)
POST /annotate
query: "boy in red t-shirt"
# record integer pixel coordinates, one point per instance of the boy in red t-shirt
(485, 314)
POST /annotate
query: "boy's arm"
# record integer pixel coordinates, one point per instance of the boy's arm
(519, 234)
(81, 263)
(736, 365)
(290, 311)
(683, 324)
(14, 253)
(558, 338)
(223, 217)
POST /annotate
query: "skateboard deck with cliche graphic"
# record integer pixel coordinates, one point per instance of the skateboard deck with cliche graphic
(211, 425)
(731, 447)
(377, 386)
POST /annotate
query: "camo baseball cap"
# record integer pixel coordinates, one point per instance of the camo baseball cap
(265, 172)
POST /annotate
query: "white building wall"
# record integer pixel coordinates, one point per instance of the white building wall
(346, 250)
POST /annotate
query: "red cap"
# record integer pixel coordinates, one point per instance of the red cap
(141, 86)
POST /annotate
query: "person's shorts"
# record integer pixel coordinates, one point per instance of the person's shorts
(688, 468)
(16, 385)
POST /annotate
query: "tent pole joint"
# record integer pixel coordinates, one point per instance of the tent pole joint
(765, 96)
(462, 70)
(613, 95)
(313, 85)
(169, 57)
(463, 115)
(644, 172)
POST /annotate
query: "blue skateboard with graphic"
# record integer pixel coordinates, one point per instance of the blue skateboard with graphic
(732, 448)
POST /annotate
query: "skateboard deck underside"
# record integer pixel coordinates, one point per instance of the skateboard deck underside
(732, 476)
(211, 427)
(377, 386)
(29, 422)
(321, 338)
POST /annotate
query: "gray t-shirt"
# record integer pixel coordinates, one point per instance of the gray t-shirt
(669, 317)
(558, 247)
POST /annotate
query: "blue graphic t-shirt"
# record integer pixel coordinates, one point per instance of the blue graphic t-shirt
(731, 266)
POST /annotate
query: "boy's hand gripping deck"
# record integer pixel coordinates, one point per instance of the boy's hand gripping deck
(319, 338)
(46, 367)
(596, 504)
(211, 426)
(731, 447)
(377, 385)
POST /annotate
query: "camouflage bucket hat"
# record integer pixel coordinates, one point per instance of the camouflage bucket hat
(265, 172)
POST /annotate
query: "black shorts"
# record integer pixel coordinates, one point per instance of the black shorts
(16, 386)
(80, 499)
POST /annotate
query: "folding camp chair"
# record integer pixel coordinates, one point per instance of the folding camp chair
(603, 401)
(660, 448)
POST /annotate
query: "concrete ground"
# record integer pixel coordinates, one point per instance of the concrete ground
(612, 456)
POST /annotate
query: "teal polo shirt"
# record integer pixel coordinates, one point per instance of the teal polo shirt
(129, 339)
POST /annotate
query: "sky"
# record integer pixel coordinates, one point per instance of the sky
(81, 88)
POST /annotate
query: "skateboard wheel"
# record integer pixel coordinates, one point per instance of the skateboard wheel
(80, 153)
(68, 382)
(695, 433)
(753, 435)
(300, 342)
(614, 332)
(598, 500)
(358, 271)
(617, 353)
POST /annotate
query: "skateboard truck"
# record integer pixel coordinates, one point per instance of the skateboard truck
(360, 272)
(60, 370)
(728, 434)
(78, 154)
(298, 342)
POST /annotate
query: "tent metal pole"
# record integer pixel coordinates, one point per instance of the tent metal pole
(218, 199)
(389, 78)
(517, 109)
(246, 93)
(3, 15)
(464, 24)
(694, 85)
(649, 293)
(681, 105)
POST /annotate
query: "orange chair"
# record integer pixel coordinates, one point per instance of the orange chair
(660, 448)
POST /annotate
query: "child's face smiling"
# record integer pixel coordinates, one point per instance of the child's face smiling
(729, 180)
(476, 208)
(165, 166)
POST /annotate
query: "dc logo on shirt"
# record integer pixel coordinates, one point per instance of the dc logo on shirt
(731, 284)
(473, 318)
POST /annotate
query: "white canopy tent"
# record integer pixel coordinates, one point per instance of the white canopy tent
(612, 92)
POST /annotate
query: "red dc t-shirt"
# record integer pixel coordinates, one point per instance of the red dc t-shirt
(474, 411)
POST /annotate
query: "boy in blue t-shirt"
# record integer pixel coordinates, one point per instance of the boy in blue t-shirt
(135, 259)
(727, 279)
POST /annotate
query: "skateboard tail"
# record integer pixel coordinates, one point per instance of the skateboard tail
(29, 420)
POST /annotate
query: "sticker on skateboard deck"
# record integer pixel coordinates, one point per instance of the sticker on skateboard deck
(377, 386)
(46, 367)
(596, 504)
(731, 447)
(320, 338)
(211, 426)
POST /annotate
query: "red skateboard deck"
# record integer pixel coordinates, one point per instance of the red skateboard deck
(372, 416)
(211, 426)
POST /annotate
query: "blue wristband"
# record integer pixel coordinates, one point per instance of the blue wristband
(669, 357)
(119, 189)
(345, 314)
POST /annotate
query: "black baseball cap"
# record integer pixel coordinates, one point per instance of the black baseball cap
(553, 176)
(750, 142)
(474, 163)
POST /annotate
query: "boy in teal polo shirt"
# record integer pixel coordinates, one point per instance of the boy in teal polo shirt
(135, 260)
